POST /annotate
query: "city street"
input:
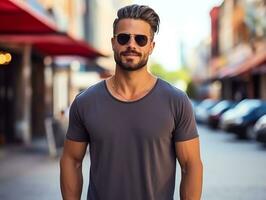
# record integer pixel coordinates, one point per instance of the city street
(233, 170)
(84, 64)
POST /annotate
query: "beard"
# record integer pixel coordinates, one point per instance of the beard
(129, 66)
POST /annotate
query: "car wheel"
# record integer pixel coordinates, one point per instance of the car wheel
(250, 133)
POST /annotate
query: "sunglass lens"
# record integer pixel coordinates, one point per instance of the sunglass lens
(123, 38)
(141, 40)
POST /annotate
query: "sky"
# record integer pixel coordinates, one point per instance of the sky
(186, 21)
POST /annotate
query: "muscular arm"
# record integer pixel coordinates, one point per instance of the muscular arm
(71, 180)
(188, 155)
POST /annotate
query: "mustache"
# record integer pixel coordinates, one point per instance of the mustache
(130, 52)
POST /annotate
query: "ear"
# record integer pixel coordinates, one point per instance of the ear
(113, 42)
(152, 47)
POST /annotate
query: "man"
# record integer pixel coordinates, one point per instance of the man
(135, 124)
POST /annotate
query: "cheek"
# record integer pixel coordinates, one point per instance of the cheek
(146, 54)
(150, 51)
(118, 49)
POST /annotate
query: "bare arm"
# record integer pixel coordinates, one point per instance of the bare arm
(188, 155)
(71, 180)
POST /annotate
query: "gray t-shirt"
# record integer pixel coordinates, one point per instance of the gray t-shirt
(132, 144)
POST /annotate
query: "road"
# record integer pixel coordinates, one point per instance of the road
(233, 170)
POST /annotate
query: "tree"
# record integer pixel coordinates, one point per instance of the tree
(170, 76)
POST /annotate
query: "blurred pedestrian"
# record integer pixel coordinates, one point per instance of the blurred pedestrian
(63, 120)
(136, 125)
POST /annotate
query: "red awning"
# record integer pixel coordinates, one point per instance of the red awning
(17, 17)
(65, 45)
(53, 44)
(251, 63)
(226, 72)
(20, 24)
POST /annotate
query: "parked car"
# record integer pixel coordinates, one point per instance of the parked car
(216, 112)
(229, 116)
(201, 110)
(241, 119)
(194, 103)
(260, 129)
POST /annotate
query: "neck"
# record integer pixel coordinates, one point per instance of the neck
(132, 81)
(131, 85)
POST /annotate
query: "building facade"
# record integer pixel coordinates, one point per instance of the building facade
(32, 87)
(238, 56)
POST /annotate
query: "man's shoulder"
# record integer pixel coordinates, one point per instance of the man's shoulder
(91, 92)
(170, 90)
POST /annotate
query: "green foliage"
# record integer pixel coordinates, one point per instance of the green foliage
(192, 90)
(170, 76)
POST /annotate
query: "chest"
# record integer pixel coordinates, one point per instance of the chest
(129, 122)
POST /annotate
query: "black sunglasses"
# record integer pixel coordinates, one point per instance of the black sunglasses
(123, 38)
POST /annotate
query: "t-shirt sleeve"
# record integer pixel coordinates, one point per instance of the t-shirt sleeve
(185, 123)
(76, 130)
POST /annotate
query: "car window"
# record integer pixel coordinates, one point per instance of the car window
(245, 107)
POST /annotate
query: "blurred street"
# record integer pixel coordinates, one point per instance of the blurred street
(233, 170)
(50, 51)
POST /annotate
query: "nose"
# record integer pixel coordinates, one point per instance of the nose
(131, 41)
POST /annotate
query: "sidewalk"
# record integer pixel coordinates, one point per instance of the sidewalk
(233, 170)
(29, 173)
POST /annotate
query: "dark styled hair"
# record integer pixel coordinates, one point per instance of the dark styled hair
(141, 12)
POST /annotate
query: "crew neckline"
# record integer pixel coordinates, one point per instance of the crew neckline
(133, 101)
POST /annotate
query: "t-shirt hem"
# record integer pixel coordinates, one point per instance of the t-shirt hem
(186, 139)
(76, 139)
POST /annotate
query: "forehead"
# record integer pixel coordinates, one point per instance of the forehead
(133, 26)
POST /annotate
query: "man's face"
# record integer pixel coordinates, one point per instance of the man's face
(132, 55)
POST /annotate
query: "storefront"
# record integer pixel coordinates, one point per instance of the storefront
(26, 85)
(245, 80)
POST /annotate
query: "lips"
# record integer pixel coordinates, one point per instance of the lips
(130, 54)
